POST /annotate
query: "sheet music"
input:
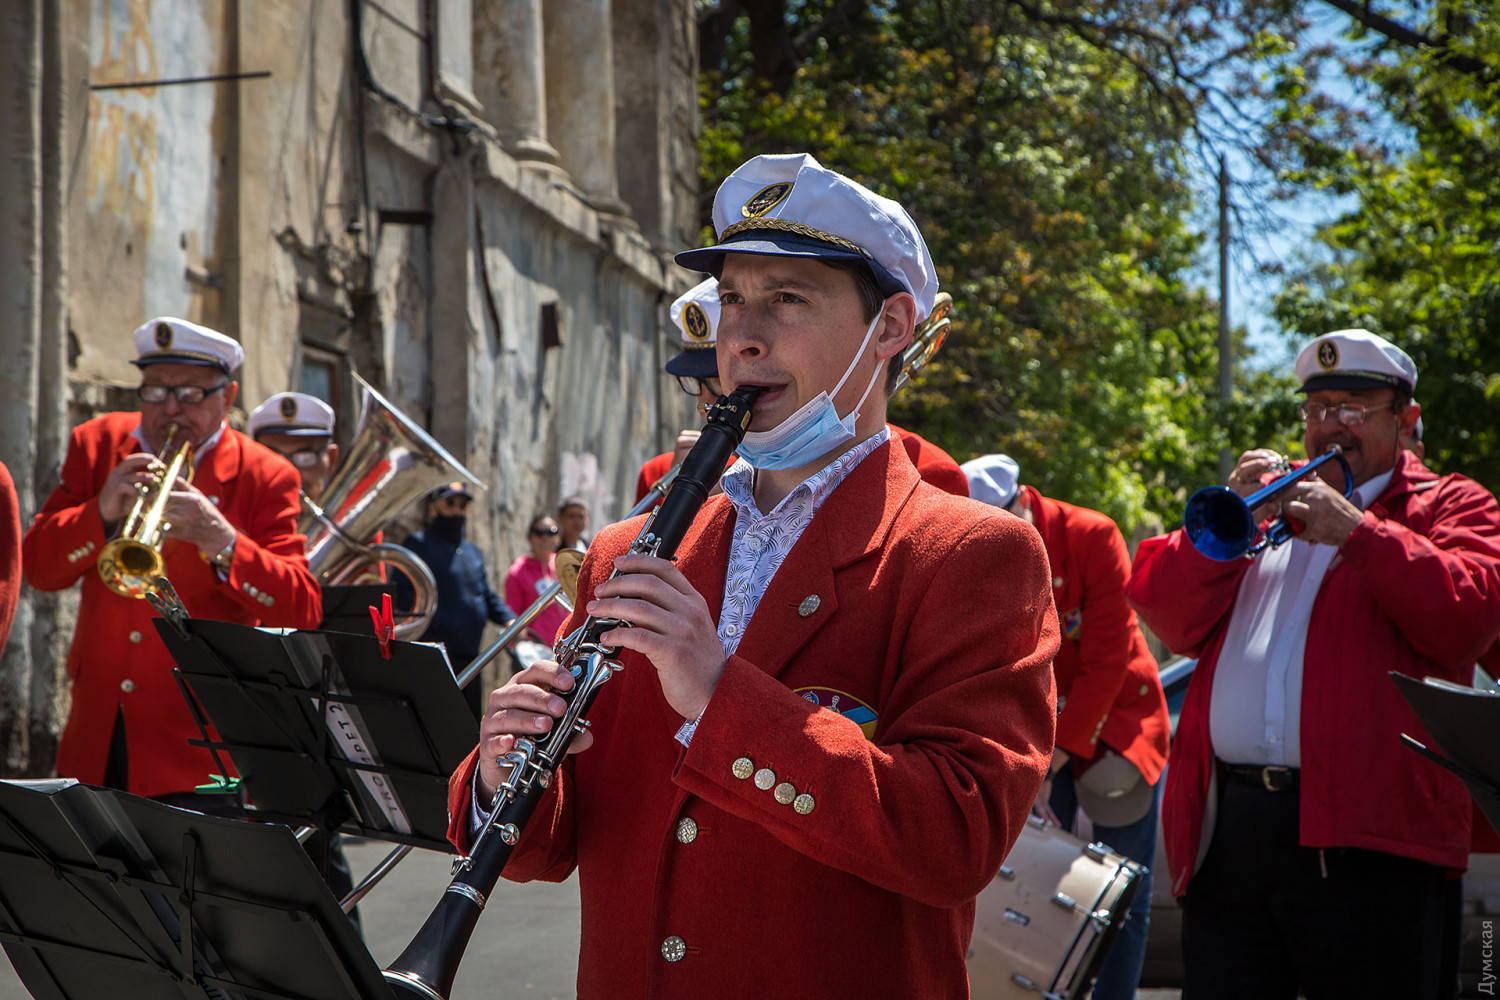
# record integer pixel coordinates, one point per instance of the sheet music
(348, 728)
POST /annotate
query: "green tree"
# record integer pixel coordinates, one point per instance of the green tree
(1054, 200)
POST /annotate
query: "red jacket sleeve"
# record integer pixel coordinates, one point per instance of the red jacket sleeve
(1181, 594)
(10, 552)
(1106, 640)
(66, 535)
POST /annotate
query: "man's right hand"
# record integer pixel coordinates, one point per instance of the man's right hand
(1249, 476)
(526, 705)
(119, 492)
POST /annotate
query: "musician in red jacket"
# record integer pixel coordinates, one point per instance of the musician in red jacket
(232, 553)
(825, 737)
(1309, 847)
(696, 316)
(1112, 723)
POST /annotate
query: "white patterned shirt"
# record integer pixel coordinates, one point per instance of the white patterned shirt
(761, 541)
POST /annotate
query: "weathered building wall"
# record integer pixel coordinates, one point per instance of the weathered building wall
(346, 207)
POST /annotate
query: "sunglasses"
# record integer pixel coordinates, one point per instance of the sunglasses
(187, 395)
(544, 531)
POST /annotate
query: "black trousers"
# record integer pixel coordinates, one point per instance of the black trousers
(1265, 916)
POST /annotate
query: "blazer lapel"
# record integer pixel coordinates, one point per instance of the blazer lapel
(852, 523)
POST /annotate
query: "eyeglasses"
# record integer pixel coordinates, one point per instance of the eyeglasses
(693, 386)
(543, 531)
(187, 395)
(1348, 414)
(306, 458)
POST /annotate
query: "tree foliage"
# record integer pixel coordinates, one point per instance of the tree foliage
(1054, 205)
(1418, 260)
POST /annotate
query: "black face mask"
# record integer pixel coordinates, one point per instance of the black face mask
(449, 526)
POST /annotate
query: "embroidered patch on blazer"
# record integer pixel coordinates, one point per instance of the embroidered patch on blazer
(1072, 623)
(845, 704)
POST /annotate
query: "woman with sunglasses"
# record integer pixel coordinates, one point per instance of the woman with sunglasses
(530, 574)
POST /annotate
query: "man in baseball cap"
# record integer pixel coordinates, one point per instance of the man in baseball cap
(1291, 732)
(299, 428)
(834, 730)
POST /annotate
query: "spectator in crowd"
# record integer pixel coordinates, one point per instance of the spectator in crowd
(531, 574)
(573, 524)
(465, 599)
(1309, 847)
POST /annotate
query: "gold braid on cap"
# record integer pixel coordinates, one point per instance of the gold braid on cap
(786, 225)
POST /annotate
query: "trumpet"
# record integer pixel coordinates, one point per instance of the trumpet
(1221, 525)
(430, 962)
(132, 565)
(926, 339)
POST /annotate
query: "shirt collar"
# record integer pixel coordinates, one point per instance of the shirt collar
(140, 435)
(1366, 492)
(739, 481)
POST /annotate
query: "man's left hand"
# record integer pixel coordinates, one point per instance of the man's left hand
(1326, 515)
(194, 519)
(672, 628)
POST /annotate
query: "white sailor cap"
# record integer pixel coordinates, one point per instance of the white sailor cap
(293, 413)
(792, 206)
(994, 479)
(166, 340)
(1354, 359)
(696, 316)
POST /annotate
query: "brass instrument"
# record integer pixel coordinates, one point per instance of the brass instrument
(926, 339)
(132, 565)
(428, 965)
(1221, 524)
(390, 463)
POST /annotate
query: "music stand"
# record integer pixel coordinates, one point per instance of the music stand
(347, 608)
(106, 894)
(324, 730)
(1465, 725)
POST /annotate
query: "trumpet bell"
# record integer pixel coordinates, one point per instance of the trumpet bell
(390, 463)
(1219, 524)
(131, 568)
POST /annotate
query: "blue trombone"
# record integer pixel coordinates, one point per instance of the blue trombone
(1221, 525)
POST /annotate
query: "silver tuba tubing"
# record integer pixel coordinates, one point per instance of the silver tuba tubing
(391, 462)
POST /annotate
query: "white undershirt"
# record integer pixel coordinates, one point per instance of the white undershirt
(1255, 707)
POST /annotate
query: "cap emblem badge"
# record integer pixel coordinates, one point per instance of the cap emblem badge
(766, 199)
(1328, 355)
(164, 335)
(288, 407)
(695, 322)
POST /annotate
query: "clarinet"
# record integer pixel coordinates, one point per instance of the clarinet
(430, 962)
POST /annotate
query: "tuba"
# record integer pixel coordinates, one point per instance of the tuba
(132, 565)
(926, 339)
(391, 462)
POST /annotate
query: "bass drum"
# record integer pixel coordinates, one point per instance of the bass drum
(1044, 925)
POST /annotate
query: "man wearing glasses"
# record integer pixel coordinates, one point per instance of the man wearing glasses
(696, 316)
(1310, 848)
(232, 553)
(299, 428)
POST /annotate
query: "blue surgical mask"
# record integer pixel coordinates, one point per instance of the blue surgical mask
(814, 430)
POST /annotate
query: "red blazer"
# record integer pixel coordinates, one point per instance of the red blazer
(933, 464)
(1104, 669)
(914, 708)
(117, 661)
(10, 552)
(1415, 589)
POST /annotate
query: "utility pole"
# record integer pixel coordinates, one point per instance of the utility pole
(1226, 346)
